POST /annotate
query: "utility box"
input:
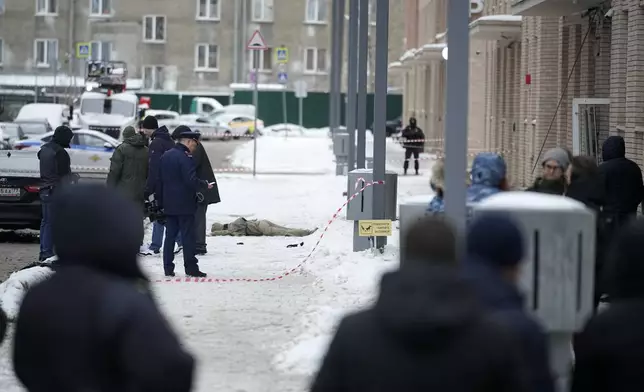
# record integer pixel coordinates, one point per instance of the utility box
(559, 268)
(341, 144)
(411, 211)
(361, 207)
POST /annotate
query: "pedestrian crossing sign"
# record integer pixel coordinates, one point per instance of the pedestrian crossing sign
(83, 50)
(281, 55)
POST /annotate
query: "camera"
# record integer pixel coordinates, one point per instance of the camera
(154, 210)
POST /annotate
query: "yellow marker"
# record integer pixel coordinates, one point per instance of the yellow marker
(95, 158)
(375, 228)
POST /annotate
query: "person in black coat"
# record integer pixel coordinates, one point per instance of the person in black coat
(414, 144)
(205, 195)
(94, 326)
(492, 263)
(426, 332)
(177, 195)
(610, 350)
(55, 170)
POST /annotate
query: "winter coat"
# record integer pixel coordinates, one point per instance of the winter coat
(129, 167)
(177, 190)
(426, 332)
(487, 174)
(610, 350)
(160, 143)
(205, 172)
(621, 179)
(94, 325)
(55, 164)
(411, 134)
(506, 305)
(550, 187)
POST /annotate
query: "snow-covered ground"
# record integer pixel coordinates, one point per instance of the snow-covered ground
(270, 336)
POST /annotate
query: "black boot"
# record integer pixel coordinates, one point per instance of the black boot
(416, 166)
(405, 167)
(196, 274)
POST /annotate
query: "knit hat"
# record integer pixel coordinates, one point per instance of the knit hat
(150, 122)
(558, 155)
(495, 239)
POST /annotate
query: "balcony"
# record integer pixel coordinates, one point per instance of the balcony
(551, 7)
(496, 28)
(430, 52)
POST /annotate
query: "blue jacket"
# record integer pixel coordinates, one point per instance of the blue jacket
(161, 142)
(505, 303)
(179, 182)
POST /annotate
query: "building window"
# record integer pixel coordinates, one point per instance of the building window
(316, 11)
(206, 57)
(102, 50)
(153, 77)
(263, 60)
(1, 49)
(46, 7)
(1, 7)
(154, 27)
(315, 60)
(262, 10)
(208, 9)
(100, 8)
(45, 52)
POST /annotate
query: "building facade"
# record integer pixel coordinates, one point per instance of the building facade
(199, 45)
(558, 73)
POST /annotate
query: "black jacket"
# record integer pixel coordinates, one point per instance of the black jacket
(587, 190)
(414, 138)
(205, 172)
(427, 332)
(621, 179)
(94, 326)
(161, 142)
(55, 164)
(550, 187)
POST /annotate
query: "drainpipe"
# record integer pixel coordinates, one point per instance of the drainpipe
(236, 43)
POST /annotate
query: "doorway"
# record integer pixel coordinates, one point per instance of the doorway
(589, 126)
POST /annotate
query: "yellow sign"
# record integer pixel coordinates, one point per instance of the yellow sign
(375, 228)
(83, 50)
(281, 55)
(95, 158)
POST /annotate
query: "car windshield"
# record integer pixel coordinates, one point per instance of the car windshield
(107, 106)
(212, 117)
(34, 128)
(10, 131)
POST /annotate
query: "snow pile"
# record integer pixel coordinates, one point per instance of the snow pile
(13, 290)
(287, 155)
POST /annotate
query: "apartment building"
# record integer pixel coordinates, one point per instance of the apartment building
(192, 45)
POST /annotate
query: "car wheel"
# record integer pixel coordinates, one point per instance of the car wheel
(227, 135)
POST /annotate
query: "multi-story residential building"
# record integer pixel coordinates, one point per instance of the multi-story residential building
(191, 45)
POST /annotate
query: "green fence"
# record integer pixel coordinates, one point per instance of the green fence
(179, 102)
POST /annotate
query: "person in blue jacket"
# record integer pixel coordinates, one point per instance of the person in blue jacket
(159, 144)
(177, 192)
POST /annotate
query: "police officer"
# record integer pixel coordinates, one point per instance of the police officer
(178, 197)
(55, 170)
(414, 143)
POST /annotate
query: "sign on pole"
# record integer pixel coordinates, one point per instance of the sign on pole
(300, 89)
(83, 50)
(375, 228)
(282, 77)
(281, 55)
(256, 42)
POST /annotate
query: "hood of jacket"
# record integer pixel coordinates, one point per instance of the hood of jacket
(96, 227)
(495, 292)
(614, 147)
(626, 269)
(133, 138)
(488, 169)
(162, 133)
(425, 305)
(63, 136)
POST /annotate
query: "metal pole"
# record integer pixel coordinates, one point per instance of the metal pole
(458, 41)
(256, 103)
(300, 110)
(352, 82)
(380, 112)
(363, 64)
(340, 31)
(336, 59)
(284, 111)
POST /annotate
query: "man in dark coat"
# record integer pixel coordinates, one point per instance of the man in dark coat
(414, 143)
(426, 332)
(160, 143)
(178, 197)
(610, 350)
(94, 325)
(494, 251)
(55, 170)
(148, 126)
(205, 195)
(129, 166)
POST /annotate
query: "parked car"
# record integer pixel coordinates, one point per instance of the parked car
(392, 127)
(208, 129)
(34, 127)
(162, 115)
(10, 133)
(84, 139)
(19, 186)
(241, 124)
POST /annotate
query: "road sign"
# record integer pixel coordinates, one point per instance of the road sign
(282, 77)
(300, 89)
(256, 42)
(83, 50)
(375, 228)
(281, 54)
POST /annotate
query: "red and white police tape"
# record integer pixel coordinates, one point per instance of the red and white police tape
(287, 272)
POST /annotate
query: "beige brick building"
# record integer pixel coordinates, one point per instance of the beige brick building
(169, 45)
(557, 73)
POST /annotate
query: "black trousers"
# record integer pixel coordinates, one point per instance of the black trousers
(200, 227)
(408, 153)
(184, 224)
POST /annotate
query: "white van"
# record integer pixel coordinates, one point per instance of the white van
(56, 114)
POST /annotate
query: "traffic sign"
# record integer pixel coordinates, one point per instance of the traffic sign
(282, 77)
(256, 42)
(252, 76)
(83, 50)
(281, 54)
(300, 89)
